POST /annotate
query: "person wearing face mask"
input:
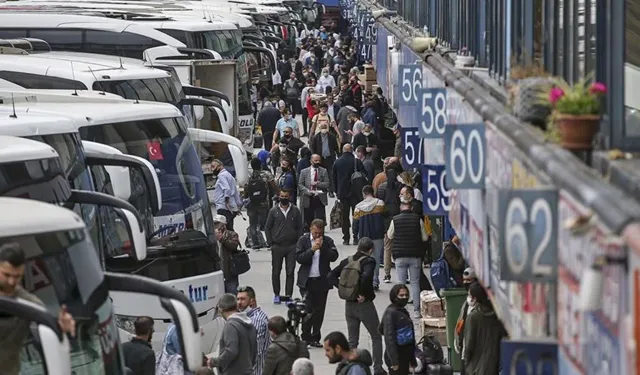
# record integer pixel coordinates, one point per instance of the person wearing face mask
(353, 94)
(366, 138)
(287, 121)
(229, 245)
(326, 145)
(304, 96)
(322, 118)
(399, 336)
(325, 80)
(369, 116)
(286, 178)
(332, 107)
(139, 357)
(408, 246)
(407, 197)
(292, 93)
(283, 228)
(248, 304)
(285, 348)
(225, 195)
(313, 184)
(483, 333)
(238, 342)
(469, 278)
(345, 120)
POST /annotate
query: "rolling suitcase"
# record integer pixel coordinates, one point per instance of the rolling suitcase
(439, 369)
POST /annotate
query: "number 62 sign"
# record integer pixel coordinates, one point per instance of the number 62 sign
(528, 235)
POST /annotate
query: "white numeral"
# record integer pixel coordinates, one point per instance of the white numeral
(457, 156)
(409, 146)
(432, 186)
(406, 94)
(441, 194)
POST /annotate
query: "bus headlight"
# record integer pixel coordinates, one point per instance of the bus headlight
(126, 323)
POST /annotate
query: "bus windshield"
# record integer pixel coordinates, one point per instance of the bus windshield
(165, 144)
(63, 268)
(162, 90)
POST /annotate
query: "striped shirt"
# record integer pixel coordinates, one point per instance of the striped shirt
(260, 320)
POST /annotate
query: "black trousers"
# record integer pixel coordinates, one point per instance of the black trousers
(278, 254)
(316, 210)
(305, 127)
(327, 163)
(347, 208)
(315, 299)
(229, 215)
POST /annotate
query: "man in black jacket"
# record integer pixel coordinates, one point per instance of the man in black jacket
(343, 171)
(314, 253)
(283, 229)
(138, 354)
(284, 349)
(408, 245)
(363, 310)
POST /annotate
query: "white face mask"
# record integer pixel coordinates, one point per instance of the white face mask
(283, 149)
(366, 133)
(470, 301)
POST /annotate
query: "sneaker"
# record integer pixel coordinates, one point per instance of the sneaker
(315, 344)
(387, 279)
(376, 288)
(276, 300)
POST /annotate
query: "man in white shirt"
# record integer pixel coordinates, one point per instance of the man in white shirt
(315, 252)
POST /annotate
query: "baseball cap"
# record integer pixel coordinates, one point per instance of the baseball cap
(469, 273)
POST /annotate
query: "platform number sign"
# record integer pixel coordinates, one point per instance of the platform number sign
(412, 148)
(465, 154)
(432, 112)
(528, 235)
(371, 31)
(521, 357)
(364, 50)
(410, 77)
(435, 190)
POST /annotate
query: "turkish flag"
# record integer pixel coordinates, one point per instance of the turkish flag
(154, 148)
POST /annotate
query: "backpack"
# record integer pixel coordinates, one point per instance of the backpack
(257, 189)
(358, 180)
(440, 277)
(349, 283)
(432, 352)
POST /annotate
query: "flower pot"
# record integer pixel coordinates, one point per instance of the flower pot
(577, 131)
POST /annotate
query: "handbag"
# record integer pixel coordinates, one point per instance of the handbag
(404, 335)
(240, 263)
(335, 217)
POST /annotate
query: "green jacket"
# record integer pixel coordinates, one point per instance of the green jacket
(482, 335)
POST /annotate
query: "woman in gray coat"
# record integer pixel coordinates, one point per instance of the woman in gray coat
(482, 335)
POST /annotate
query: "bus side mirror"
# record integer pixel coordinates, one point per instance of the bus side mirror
(135, 233)
(53, 343)
(174, 302)
(198, 112)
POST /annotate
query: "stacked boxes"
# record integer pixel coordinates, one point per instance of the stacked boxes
(433, 322)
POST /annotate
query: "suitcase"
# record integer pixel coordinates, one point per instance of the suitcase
(439, 369)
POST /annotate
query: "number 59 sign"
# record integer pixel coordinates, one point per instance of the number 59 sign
(528, 235)
(434, 190)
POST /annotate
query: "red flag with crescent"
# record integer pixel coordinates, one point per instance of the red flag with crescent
(154, 148)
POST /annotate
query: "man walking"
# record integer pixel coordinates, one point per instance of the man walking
(283, 229)
(247, 303)
(354, 278)
(312, 186)
(408, 237)
(138, 354)
(368, 221)
(225, 194)
(350, 362)
(314, 253)
(284, 349)
(267, 119)
(344, 179)
(258, 191)
(325, 144)
(238, 342)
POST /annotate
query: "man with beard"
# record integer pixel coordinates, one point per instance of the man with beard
(13, 330)
(350, 361)
(247, 303)
(139, 357)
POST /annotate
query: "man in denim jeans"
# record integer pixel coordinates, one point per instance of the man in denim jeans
(408, 244)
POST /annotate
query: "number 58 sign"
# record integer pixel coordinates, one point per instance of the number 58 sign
(528, 235)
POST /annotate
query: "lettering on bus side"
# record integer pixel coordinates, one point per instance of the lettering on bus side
(246, 122)
(196, 293)
(170, 229)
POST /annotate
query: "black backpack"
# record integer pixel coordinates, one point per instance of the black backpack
(257, 189)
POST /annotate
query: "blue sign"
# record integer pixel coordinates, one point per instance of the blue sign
(602, 354)
(528, 235)
(370, 32)
(409, 82)
(435, 192)
(465, 154)
(519, 357)
(412, 148)
(364, 53)
(432, 112)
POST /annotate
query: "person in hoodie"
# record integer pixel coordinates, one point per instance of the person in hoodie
(398, 332)
(368, 221)
(350, 361)
(238, 343)
(247, 303)
(482, 334)
(362, 310)
(285, 348)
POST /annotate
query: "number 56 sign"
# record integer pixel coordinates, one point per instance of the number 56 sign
(528, 235)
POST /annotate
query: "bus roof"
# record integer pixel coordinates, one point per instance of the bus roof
(41, 217)
(13, 149)
(10, 20)
(27, 123)
(84, 69)
(189, 25)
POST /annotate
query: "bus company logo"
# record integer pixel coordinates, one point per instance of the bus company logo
(165, 230)
(195, 293)
(246, 122)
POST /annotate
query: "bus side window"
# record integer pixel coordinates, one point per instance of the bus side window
(60, 39)
(41, 82)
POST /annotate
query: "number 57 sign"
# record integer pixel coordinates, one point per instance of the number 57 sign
(528, 235)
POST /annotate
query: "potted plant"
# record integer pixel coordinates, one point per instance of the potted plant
(577, 112)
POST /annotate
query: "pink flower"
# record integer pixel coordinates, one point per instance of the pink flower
(598, 88)
(555, 95)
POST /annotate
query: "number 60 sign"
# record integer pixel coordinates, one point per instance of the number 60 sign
(528, 235)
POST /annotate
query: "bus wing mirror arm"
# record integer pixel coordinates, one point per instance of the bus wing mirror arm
(174, 302)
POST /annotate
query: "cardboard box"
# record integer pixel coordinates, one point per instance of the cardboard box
(369, 73)
(431, 305)
(435, 327)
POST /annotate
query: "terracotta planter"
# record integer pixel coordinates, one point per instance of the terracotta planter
(577, 131)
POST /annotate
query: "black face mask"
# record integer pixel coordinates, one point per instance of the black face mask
(402, 302)
(285, 201)
(315, 165)
(287, 136)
